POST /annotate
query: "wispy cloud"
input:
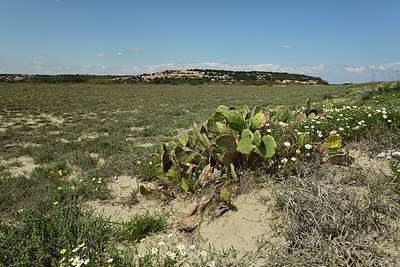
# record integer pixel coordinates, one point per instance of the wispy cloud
(355, 69)
(100, 55)
(37, 65)
(129, 70)
(288, 47)
(394, 66)
(210, 65)
(120, 54)
(134, 50)
(306, 69)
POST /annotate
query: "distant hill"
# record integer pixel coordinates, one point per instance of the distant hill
(231, 76)
(192, 76)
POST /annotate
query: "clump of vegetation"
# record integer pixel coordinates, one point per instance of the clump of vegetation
(140, 226)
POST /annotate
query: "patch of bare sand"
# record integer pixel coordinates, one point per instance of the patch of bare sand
(91, 136)
(94, 155)
(30, 144)
(366, 163)
(239, 229)
(33, 121)
(137, 128)
(26, 165)
(145, 144)
(53, 119)
(126, 202)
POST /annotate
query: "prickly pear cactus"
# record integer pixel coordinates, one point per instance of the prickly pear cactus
(258, 121)
(282, 113)
(267, 147)
(211, 125)
(221, 113)
(257, 138)
(226, 140)
(333, 143)
(166, 159)
(245, 110)
(183, 136)
(257, 109)
(181, 156)
(235, 120)
(245, 145)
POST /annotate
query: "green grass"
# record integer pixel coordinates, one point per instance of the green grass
(96, 131)
(141, 225)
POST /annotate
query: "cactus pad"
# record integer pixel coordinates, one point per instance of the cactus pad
(258, 121)
(267, 147)
(245, 145)
(333, 143)
(212, 126)
(183, 136)
(226, 140)
(282, 113)
(235, 120)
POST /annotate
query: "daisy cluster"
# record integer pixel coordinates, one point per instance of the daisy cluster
(75, 260)
(176, 252)
(389, 154)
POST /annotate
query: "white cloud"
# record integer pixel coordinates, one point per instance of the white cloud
(355, 69)
(100, 55)
(120, 54)
(104, 67)
(394, 66)
(37, 65)
(288, 47)
(86, 66)
(210, 65)
(134, 50)
(129, 70)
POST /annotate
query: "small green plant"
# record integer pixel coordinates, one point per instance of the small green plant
(141, 225)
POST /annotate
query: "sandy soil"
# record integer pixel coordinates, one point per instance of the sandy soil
(27, 165)
(237, 228)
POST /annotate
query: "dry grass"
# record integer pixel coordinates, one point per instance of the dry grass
(328, 222)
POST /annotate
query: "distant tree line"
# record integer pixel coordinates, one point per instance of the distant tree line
(210, 76)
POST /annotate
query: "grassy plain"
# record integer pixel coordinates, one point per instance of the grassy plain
(72, 139)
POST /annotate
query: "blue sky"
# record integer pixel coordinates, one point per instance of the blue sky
(340, 41)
